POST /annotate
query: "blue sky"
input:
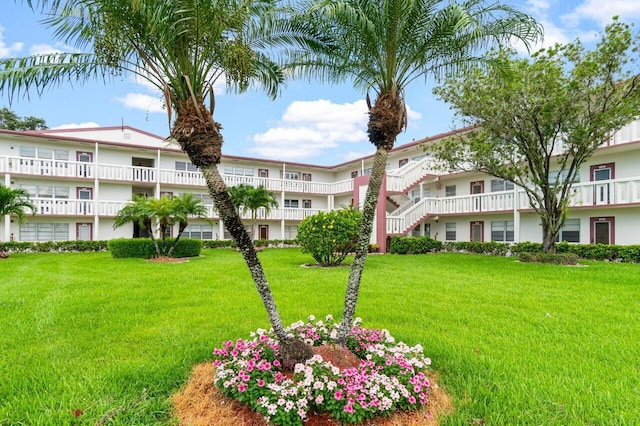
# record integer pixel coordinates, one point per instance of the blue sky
(309, 123)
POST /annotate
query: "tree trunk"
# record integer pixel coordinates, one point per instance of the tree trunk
(149, 226)
(548, 236)
(366, 227)
(183, 226)
(231, 219)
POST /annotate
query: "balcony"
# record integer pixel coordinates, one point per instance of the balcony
(137, 174)
(615, 192)
(74, 207)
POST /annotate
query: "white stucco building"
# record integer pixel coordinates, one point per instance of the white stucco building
(79, 179)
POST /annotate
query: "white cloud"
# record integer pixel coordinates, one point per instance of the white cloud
(142, 102)
(43, 49)
(8, 50)
(309, 128)
(601, 12)
(76, 125)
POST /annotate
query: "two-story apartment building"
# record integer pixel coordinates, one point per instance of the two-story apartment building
(79, 179)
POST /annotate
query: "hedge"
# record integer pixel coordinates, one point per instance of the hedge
(144, 248)
(414, 245)
(612, 253)
(52, 246)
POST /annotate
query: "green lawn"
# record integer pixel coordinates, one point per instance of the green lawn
(514, 343)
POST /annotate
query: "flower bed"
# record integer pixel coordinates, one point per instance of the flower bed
(389, 377)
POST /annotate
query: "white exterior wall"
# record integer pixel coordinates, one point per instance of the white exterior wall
(113, 180)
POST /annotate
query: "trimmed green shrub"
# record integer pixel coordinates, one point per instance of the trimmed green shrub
(414, 245)
(489, 247)
(57, 246)
(554, 258)
(186, 247)
(329, 237)
(143, 248)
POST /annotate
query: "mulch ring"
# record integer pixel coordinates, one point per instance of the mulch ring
(201, 403)
(165, 259)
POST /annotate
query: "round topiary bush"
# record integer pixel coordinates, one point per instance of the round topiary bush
(329, 237)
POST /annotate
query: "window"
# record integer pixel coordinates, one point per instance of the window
(306, 204)
(306, 177)
(292, 204)
(426, 192)
(502, 231)
(44, 232)
(450, 191)
(450, 231)
(501, 185)
(168, 194)
(291, 175)
(238, 171)
(562, 176)
(418, 157)
(28, 151)
(570, 231)
(415, 195)
(367, 171)
(206, 198)
(263, 173)
(44, 153)
(186, 166)
(354, 174)
(403, 162)
(46, 191)
(290, 232)
(198, 232)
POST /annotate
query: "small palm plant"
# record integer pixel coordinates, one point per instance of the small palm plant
(15, 201)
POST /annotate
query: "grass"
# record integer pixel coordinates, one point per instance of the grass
(514, 343)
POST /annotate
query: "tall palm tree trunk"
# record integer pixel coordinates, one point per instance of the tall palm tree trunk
(366, 228)
(231, 219)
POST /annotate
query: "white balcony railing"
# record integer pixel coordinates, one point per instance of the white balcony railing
(399, 180)
(63, 207)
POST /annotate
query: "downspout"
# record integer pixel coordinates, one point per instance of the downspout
(96, 195)
(7, 218)
(516, 215)
(282, 195)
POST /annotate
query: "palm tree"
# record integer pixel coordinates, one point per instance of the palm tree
(184, 207)
(384, 45)
(248, 198)
(163, 213)
(139, 211)
(182, 47)
(14, 201)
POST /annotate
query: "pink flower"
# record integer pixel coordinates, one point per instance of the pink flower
(338, 395)
(348, 409)
(260, 382)
(242, 387)
(412, 399)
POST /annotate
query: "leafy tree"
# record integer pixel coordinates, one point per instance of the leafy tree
(186, 206)
(14, 201)
(536, 121)
(9, 120)
(384, 45)
(161, 214)
(331, 236)
(182, 48)
(138, 211)
(247, 198)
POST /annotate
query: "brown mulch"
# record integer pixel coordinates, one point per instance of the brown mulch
(201, 403)
(165, 259)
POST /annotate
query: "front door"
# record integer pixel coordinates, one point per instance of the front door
(601, 174)
(84, 170)
(84, 207)
(84, 231)
(477, 188)
(263, 232)
(477, 231)
(602, 230)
